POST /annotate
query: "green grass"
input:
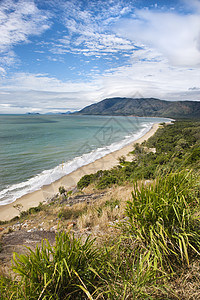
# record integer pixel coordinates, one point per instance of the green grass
(61, 272)
(129, 273)
(67, 213)
(162, 219)
(74, 269)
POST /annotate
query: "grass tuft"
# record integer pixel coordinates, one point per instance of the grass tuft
(60, 272)
(162, 218)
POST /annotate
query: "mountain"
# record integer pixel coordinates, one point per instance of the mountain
(142, 107)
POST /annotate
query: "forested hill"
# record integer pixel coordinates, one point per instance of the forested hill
(142, 107)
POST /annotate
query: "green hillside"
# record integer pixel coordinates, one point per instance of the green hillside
(142, 107)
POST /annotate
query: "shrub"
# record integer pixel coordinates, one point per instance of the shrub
(122, 159)
(61, 190)
(85, 181)
(106, 181)
(195, 155)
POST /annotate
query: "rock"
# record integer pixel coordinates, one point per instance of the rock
(17, 226)
(54, 228)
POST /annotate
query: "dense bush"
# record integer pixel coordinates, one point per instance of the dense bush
(194, 156)
(106, 181)
(85, 181)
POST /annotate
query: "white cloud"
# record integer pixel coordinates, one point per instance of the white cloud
(151, 75)
(19, 20)
(42, 82)
(90, 29)
(97, 44)
(175, 36)
(2, 72)
(26, 92)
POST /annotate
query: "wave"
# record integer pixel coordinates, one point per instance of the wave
(15, 191)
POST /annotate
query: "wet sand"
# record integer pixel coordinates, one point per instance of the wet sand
(33, 199)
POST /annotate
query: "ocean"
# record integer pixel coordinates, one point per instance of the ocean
(36, 150)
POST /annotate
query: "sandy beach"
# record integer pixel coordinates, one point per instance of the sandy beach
(33, 199)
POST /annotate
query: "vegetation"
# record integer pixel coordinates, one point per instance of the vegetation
(66, 271)
(68, 213)
(162, 219)
(176, 147)
(152, 242)
(143, 107)
(61, 190)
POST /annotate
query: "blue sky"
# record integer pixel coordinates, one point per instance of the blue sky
(66, 54)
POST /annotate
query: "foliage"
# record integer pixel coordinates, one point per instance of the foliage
(177, 146)
(161, 232)
(122, 159)
(162, 218)
(106, 181)
(85, 181)
(66, 271)
(9, 288)
(143, 107)
(129, 273)
(112, 203)
(32, 210)
(76, 270)
(70, 213)
(61, 190)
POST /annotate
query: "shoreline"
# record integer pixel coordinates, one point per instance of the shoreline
(7, 212)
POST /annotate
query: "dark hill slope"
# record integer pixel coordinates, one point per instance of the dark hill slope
(150, 107)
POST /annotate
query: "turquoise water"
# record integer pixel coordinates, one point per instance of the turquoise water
(39, 149)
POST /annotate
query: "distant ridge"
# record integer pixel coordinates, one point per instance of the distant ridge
(149, 107)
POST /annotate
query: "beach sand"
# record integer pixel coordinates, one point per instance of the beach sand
(33, 199)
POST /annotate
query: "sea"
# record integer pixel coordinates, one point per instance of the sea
(36, 150)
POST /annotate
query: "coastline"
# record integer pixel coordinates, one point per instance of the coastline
(33, 199)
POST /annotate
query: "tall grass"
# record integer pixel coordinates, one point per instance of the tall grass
(65, 271)
(129, 274)
(162, 219)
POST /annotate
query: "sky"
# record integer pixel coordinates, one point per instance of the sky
(58, 56)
